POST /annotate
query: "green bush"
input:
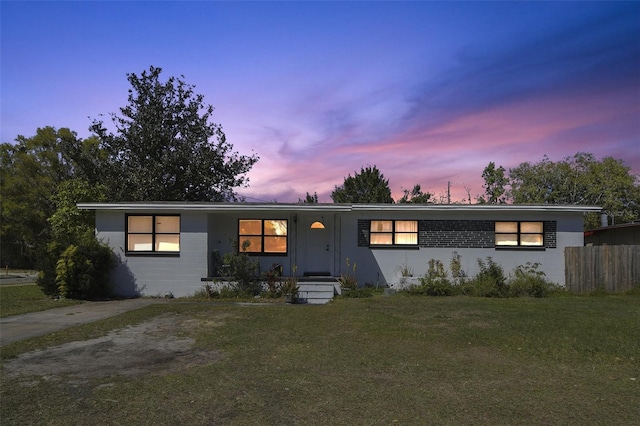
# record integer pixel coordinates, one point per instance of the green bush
(529, 281)
(490, 281)
(434, 287)
(242, 271)
(82, 271)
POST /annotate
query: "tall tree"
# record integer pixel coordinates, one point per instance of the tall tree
(368, 186)
(30, 171)
(415, 196)
(165, 148)
(495, 183)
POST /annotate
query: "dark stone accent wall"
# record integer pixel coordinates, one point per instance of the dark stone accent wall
(363, 232)
(456, 233)
(550, 232)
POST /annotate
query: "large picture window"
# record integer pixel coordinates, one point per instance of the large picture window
(153, 234)
(519, 234)
(263, 236)
(393, 233)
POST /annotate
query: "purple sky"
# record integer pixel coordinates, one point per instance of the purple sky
(429, 92)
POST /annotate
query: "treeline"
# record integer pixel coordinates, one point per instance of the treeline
(164, 147)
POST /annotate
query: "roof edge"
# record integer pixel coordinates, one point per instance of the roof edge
(330, 207)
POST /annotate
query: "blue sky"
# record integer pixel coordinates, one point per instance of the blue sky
(429, 92)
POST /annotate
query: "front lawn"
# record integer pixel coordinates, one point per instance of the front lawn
(20, 299)
(380, 360)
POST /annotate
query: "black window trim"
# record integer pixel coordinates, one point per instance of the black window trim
(541, 247)
(393, 232)
(262, 235)
(153, 251)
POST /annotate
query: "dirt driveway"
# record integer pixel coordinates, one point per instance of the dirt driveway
(160, 344)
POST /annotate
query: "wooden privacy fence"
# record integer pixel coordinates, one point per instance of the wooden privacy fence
(614, 268)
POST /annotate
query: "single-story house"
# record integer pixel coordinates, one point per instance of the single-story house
(173, 246)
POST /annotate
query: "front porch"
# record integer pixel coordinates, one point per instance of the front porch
(313, 290)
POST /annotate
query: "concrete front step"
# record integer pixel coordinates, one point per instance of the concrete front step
(315, 293)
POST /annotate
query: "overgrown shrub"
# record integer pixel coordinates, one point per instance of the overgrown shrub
(348, 279)
(489, 282)
(82, 271)
(273, 281)
(242, 270)
(528, 280)
(210, 291)
(434, 282)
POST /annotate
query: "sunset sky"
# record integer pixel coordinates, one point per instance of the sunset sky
(429, 92)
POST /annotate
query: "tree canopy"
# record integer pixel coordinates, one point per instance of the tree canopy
(165, 148)
(415, 196)
(368, 186)
(581, 179)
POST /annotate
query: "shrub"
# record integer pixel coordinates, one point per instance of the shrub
(82, 271)
(437, 287)
(211, 291)
(273, 281)
(490, 281)
(289, 287)
(528, 280)
(348, 279)
(434, 282)
(242, 271)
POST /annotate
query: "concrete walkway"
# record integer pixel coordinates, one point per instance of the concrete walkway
(25, 326)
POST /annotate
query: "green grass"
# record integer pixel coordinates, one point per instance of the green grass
(20, 299)
(380, 360)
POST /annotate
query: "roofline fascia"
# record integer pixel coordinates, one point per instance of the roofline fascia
(311, 207)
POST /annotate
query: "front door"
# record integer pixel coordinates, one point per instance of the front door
(317, 247)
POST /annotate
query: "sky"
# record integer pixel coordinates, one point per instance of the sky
(428, 92)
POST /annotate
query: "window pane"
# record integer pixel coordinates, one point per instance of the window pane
(406, 226)
(531, 239)
(275, 244)
(275, 227)
(531, 227)
(142, 224)
(506, 226)
(506, 239)
(381, 226)
(139, 242)
(251, 244)
(168, 224)
(250, 227)
(381, 239)
(406, 238)
(168, 242)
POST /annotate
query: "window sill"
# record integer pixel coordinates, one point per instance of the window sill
(265, 254)
(520, 248)
(390, 247)
(152, 253)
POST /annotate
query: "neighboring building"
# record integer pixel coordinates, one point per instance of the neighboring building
(169, 247)
(624, 234)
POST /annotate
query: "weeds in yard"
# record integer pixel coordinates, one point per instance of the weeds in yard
(348, 279)
(526, 280)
